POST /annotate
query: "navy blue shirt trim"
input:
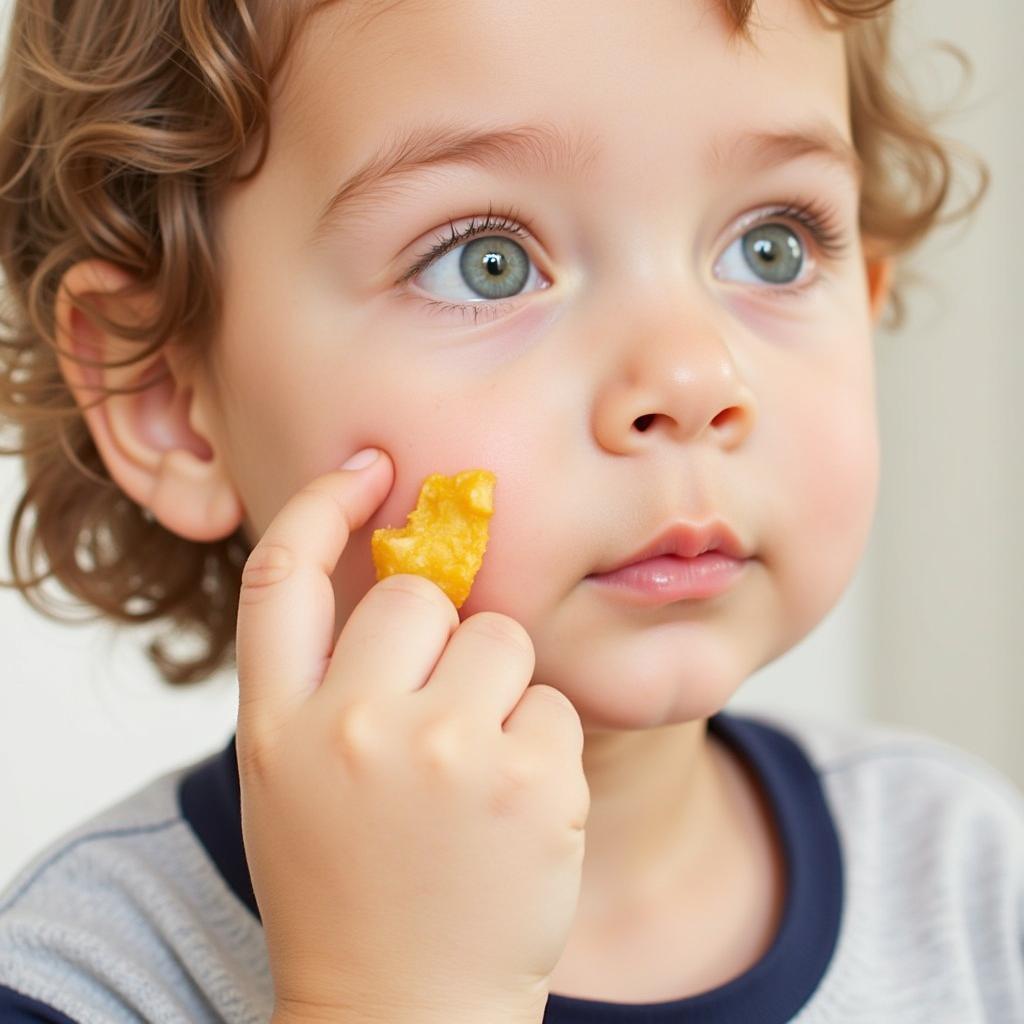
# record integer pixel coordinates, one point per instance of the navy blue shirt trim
(770, 992)
(16, 1008)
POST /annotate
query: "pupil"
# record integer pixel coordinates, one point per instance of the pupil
(495, 268)
(774, 253)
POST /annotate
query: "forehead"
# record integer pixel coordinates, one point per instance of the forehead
(629, 74)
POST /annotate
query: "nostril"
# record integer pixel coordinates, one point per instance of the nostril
(643, 422)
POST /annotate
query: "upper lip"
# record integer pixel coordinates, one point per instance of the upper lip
(687, 541)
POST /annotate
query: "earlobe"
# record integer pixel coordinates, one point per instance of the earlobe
(147, 439)
(879, 275)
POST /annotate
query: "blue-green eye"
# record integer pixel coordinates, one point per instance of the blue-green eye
(472, 269)
(769, 253)
(774, 253)
(489, 267)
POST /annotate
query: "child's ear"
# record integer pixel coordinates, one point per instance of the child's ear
(879, 274)
(159, 444)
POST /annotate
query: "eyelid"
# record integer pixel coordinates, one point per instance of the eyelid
(817, 218)
(509, 221)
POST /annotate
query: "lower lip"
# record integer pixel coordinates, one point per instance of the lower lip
(671, 578)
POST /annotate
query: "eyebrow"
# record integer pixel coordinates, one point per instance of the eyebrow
(544, 147)
(765, 149)
(548, 148)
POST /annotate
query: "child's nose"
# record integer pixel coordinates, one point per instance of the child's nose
(671, 371)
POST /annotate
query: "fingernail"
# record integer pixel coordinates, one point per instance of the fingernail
(362, 459)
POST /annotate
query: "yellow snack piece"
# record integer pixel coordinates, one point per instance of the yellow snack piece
(445, 536)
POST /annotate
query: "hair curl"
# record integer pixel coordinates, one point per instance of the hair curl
(121, 124)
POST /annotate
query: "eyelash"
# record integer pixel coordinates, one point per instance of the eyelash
(817, 218)
(509, 221)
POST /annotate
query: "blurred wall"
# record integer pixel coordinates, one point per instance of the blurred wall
(945, 625)
(924, 636)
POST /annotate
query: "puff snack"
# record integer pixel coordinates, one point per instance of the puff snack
(445, 536)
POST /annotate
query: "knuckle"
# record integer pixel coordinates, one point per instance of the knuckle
(354, 732)
(581, 807)
(267, 564)
(502, 628)
(254, 760)
(513, 787)
(442, 746)
(555, 698)
(562, 709)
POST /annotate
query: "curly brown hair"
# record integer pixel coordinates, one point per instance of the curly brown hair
(121, 124)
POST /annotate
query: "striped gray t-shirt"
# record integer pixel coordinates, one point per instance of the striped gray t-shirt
(904, 897)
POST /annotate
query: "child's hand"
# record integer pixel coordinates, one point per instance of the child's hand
(412, 810)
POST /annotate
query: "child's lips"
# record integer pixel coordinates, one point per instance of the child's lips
(686, 541)
(666, 578)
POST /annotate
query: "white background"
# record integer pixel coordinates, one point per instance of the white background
(927, 635)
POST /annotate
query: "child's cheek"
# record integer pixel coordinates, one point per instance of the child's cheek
(504, 575)
(505, 562)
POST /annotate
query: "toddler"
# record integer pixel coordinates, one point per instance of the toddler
(253, 252)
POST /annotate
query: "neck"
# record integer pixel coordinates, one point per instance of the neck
(658, 808)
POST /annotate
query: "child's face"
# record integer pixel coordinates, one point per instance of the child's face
(634, 300)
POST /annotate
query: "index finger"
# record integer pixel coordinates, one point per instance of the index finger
(285, 629)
